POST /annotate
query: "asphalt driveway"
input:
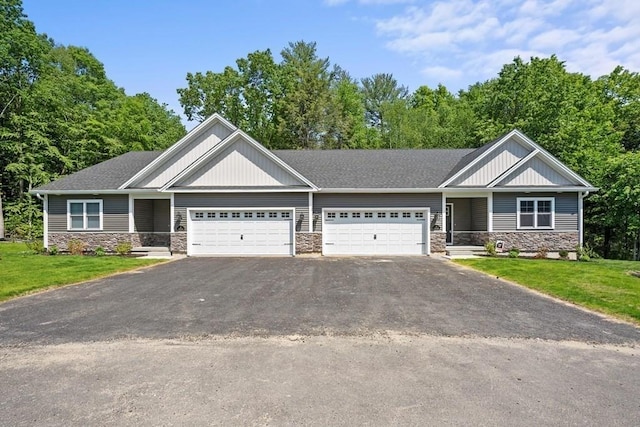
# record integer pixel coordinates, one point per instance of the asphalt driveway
(200, 297)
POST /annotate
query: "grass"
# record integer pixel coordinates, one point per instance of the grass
(23, 272)
(601, 285)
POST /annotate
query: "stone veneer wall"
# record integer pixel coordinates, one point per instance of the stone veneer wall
(438, 240)
(179, 243)
(528, 241)
(109, 241)
(307, 243)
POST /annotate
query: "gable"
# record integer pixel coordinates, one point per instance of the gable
(493, 165)
(536, 172)
(240, 164)
(183, 153)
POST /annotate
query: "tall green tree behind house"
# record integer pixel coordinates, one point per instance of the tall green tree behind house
(59, 113)
(303, 109)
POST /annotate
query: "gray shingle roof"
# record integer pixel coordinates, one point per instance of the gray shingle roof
(325, 168)
(108, 175)
(474, 154)
(374, 168)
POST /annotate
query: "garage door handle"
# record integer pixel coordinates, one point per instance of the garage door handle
(375, 236)
(241, 237)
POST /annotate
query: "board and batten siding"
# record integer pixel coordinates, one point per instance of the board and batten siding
(381, 200)
(495, 164)
(115, 212)
(188, 154)
(240, 164)
(505, 210)
(299, 201)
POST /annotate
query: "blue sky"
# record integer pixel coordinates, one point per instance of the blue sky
(150, 46)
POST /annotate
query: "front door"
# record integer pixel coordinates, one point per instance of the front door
(449, 223)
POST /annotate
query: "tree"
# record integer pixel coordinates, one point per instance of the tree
(620, 202)
(346, 121)
(622, 88)
(303, 107)
(378, 91)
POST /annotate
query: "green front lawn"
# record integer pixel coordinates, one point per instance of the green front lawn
(22, 272)
(601, 285)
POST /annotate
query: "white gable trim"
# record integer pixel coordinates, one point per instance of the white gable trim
(482, 156)
(215, 118)
(224, 144)
(514, 168)
(555, 163)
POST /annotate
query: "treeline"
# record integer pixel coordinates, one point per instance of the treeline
(60, 113)
(303, 101)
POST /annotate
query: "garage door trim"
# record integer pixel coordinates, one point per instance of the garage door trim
(425, 210)
(241, 210)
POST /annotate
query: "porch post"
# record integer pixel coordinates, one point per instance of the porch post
(131, 222)
(490, 212)
(444, 216)
(172, 214)
(310, 212)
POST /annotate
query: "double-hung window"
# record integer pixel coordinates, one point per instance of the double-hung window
(84, 214)
(536, 212)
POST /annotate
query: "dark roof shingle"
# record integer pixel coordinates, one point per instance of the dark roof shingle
(108, 175)
(373, 168)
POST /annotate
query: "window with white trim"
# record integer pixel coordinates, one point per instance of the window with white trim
(331, 215)
(536, 212)
(84, 214)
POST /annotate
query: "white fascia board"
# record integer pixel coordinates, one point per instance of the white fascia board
(520, 163)
(235, 136)
(237, 190)
(96, 192)
(479, 158)
(215, 118)
(381, 190)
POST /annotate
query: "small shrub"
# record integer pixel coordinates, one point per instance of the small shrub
(490, 247)
(75, 247)
(586, 251)
(35, 246)
(123, 248)
(514, 253)
(564, 254)
(99, 251)
(542, 253)
(53, 250)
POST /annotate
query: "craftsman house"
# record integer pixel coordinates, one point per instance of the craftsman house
(217, 191)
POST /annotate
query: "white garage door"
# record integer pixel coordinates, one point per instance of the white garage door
(240, 232)
(375, 232)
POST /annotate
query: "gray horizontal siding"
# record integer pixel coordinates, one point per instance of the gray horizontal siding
(381, 200)
(461, 214)
(299, 201)
(115, 215)
(479, 214)
(143, 215)
(505, 210)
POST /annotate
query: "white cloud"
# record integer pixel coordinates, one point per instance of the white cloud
(477, 37)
